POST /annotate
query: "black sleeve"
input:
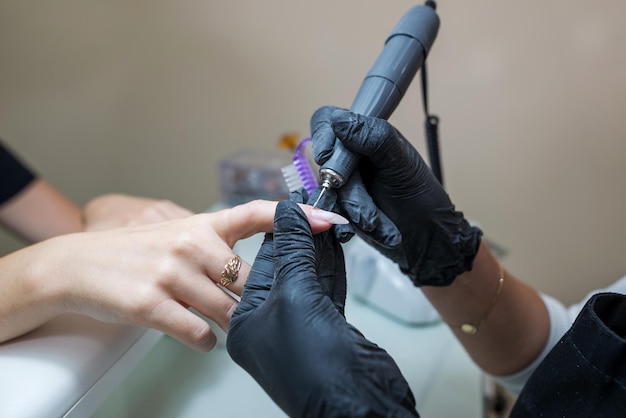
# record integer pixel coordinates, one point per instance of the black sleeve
(14, 175)
(585, 373)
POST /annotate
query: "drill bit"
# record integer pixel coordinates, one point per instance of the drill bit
(324, 190)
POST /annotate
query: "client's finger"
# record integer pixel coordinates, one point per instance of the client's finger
(200, 293)
(257, 216)
(173, 319)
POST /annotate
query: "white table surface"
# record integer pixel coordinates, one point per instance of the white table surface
(174, 381)
(68, 367)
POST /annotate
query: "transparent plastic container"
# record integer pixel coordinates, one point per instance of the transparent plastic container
(253, 174)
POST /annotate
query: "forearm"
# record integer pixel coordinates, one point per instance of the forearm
(40, 212)
(29, 291)
(516, 329)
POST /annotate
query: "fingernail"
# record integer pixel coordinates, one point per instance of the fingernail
(330, 217)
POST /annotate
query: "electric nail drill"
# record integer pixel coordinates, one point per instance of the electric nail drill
(384, 86)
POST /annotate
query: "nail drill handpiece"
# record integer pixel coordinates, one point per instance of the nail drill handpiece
(385, 84)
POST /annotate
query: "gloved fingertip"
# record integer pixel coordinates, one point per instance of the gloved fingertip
(362, 212)
(344, 232)
(392, 240)
(287, 206)
(342, 116)
(290, 218)
(387, 233)
(322, 135)
(299, 196)
(322, 114)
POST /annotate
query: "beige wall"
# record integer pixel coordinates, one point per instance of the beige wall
(145, 97)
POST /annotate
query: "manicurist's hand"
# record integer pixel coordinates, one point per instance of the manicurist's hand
(394, 200)
(147, 275)
(289, 332)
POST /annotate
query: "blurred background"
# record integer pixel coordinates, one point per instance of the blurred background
(146, 97)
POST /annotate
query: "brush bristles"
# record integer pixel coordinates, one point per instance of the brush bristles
(292, 178)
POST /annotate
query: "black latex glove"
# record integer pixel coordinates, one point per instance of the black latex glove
(394, 188)
(289, 333)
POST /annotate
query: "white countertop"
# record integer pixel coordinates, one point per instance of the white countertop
(67, 367)
(175, 381)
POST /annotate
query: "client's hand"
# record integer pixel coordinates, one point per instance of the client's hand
(395, 202)
(116, 210)
(290, 334)
(146, 275)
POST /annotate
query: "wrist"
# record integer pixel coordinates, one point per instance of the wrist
(471, 291)
(29, 297)
(44, 278)
(445, 254)
(514, 323)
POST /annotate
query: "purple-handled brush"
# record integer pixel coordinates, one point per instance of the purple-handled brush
(300, 173)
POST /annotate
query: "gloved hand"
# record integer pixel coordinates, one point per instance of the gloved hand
(394, 188)
(289, 332)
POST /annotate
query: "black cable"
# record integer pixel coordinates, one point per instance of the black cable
(431, 124)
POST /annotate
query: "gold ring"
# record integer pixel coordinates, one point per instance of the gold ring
(231, 271)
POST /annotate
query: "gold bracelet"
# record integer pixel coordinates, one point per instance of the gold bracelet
(472, 328)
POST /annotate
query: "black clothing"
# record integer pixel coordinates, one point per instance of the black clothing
(14, 175)
(585, 373)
